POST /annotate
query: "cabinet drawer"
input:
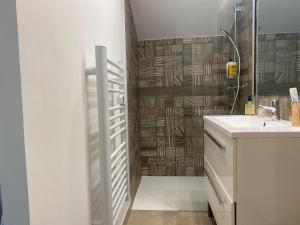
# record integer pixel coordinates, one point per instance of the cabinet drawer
(223, 208)
(219, 151)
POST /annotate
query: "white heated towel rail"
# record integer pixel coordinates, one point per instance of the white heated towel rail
(108, 141)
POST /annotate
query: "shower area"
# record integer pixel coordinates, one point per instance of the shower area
(179, 81)
(176, 73)
(176, 64)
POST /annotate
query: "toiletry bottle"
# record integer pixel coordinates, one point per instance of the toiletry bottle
(231, 70)
(250, 107)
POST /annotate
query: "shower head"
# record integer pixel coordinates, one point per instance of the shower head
(228, 35)
(225, 32)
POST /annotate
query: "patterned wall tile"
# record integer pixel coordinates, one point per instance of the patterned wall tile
(245, 45)
(277, 63)
(189, 83)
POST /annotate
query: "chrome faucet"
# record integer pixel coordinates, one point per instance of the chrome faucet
(275, 109)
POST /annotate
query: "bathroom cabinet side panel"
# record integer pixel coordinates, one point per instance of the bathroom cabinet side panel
(268, 181)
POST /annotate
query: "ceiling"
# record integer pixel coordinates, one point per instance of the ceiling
(160, 19)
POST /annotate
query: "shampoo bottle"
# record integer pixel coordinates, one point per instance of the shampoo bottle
(250, 107)
(231, 70)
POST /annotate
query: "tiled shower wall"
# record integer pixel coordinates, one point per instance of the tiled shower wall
(133, 112)
(179, 80)
(244, 35)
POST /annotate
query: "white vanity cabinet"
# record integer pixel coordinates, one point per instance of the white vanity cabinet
(252, 171)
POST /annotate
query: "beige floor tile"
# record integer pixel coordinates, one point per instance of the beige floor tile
(178, 218)
(168, 218)
(145, 218)
(201, 218)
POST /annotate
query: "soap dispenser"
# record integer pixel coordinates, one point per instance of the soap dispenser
(250, 107)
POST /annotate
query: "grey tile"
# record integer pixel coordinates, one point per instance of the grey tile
(185, 84)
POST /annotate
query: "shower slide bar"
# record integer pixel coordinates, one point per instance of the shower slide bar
(110, 198)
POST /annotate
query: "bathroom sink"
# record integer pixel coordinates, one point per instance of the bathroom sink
(247, 122)
(253, 126)
(247, 159)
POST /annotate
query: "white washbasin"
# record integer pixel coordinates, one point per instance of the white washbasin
(248, 122)
(253, 126)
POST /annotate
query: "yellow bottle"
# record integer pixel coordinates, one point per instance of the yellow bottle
(231, 70)
(250, 107)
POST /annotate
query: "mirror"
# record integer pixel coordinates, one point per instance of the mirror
(278, 46)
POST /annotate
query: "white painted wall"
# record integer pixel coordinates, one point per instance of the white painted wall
(105, 25)
(157, 19)
(56, 40)
(277, 16)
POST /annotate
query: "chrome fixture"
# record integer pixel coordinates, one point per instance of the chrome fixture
(235, 87)
(275, 109)
(239, 68)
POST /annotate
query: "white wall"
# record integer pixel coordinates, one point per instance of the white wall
(277, 16)
(12, 150)
(157, 19)
(56, 40)
(106, 26)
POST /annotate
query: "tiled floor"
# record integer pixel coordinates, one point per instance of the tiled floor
(168, 218)
(171, 194)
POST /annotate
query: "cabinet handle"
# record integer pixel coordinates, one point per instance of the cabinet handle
(214, 187)
(218, 143)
